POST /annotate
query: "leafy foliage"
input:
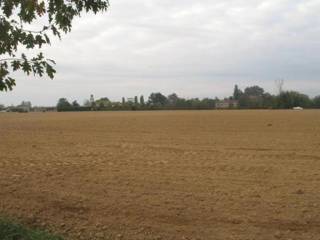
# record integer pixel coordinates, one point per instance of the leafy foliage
(157, 99)
(255, 97)
(237, 93)
(142, 100)
(316, 102)
(16, 14)
(12, 231)
(102, 102)
(63, 103)
(75, 104)
(290, 99)
(254, 91)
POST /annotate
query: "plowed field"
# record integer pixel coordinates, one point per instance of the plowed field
(205, 175)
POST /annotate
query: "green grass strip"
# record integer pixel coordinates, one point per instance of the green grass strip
(14, 231)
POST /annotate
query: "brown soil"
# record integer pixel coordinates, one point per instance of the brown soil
(205, 175)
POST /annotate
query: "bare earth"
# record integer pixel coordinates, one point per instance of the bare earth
(202, 175)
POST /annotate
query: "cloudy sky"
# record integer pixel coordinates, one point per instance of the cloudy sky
(196, 48)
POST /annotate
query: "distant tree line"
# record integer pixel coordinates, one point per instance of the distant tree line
(253, 97)
(156, 101)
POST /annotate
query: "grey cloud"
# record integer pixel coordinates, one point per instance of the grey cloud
(195, 48)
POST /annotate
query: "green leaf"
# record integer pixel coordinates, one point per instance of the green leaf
(50, 71)
(26, 67)
(15, 65)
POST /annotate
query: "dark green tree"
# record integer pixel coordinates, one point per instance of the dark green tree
(182, 103)
(158, 99)
(142, 100)
(75, 104)
(103, 102)
(254, 91)
(269, 101)
(63, 105)
(290, 99)
(136, 102)
(173, 99)
(237, 93)
(252, 97)
(316, 102)
(208, 103)
(15, 15)
(195, 103)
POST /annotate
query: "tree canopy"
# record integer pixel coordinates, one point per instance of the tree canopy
(290, 99)
(157, 99)
(237, 92)
(254, 91)
(16, 16)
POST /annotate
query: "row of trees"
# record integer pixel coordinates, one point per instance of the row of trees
(154, 102)
(253, 97)
(256, 97)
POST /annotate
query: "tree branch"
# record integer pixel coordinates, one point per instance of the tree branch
(10, 59)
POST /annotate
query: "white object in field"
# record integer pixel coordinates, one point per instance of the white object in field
(297, 108)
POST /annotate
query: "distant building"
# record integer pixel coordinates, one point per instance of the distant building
(227, 103)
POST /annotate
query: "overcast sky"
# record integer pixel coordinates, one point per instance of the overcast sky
(196, 48)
